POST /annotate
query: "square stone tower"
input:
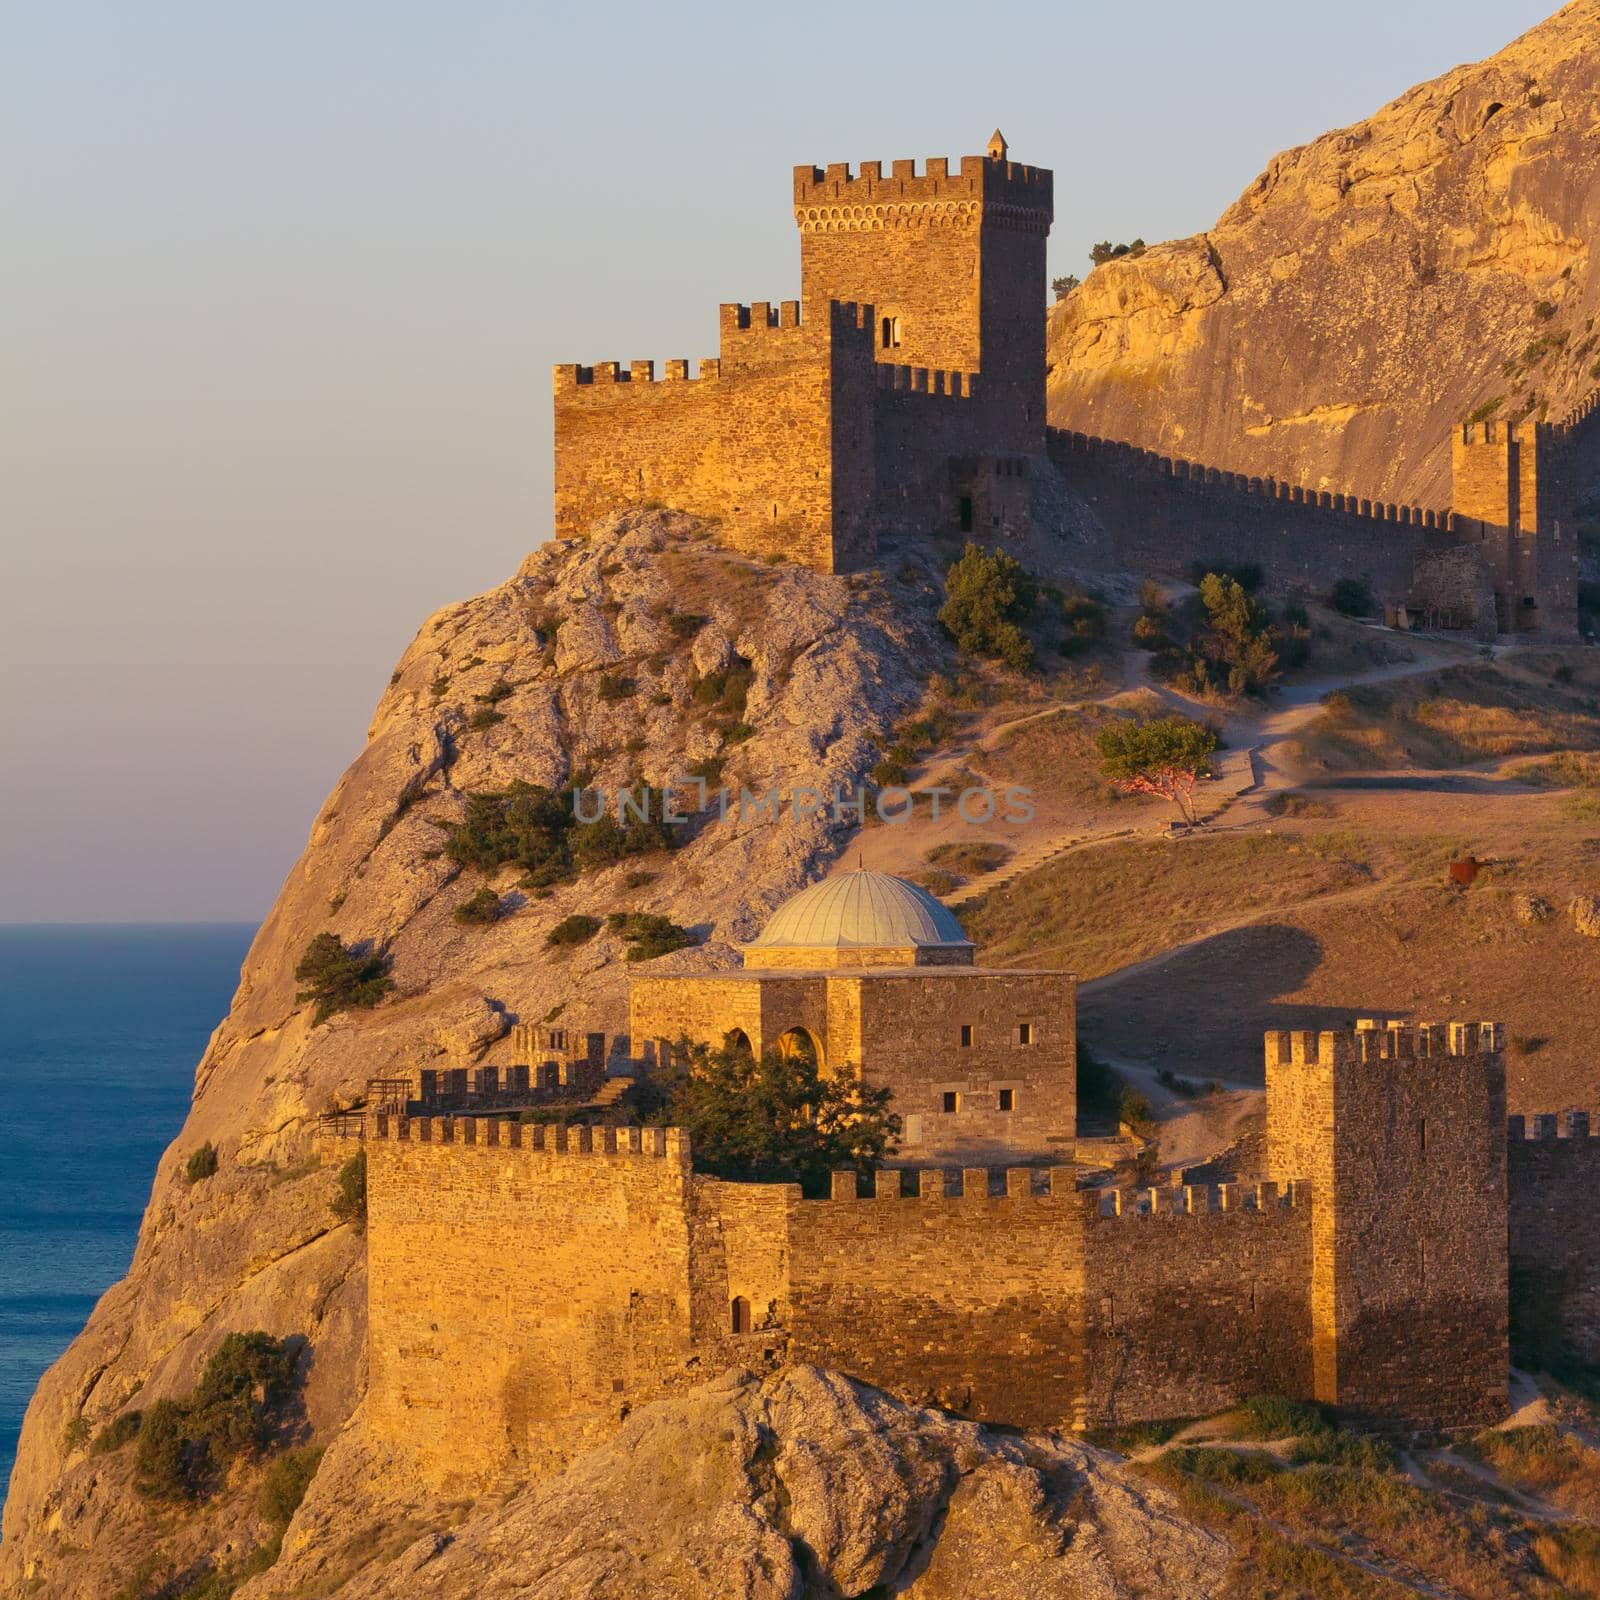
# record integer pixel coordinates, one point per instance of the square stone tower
(1509, 489)
(953, 265)
(1403, 1135)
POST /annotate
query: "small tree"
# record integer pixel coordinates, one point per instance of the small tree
(776, 1119)
(1063, 286)
(1237, 641)
(349, 1203)
(988, 596)
(649, 934)
(1165, 756)
(286, 1482)
(340, 978)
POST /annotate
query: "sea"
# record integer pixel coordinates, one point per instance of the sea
(101, 1028)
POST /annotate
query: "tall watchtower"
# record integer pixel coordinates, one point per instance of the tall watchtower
(953, 264)
(1403, 1135)
(1510, 479)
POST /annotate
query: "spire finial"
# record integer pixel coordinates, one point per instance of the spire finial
(997, 146)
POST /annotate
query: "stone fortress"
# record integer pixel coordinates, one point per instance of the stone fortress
(904, 393)
(530, 1283)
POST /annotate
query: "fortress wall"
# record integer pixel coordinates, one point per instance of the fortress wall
(1552, 1181)
(524, 1283)
(701, 1009)
(1165, 513)
(1194, 1298)
(774, 439)
(965, 1300)
(740, 1234)
(623, 437)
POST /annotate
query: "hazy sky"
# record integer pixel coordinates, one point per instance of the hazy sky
(283, 284)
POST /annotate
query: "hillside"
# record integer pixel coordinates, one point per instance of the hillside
(1368, 289)
(636, 654)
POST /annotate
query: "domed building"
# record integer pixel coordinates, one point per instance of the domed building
(869, 974)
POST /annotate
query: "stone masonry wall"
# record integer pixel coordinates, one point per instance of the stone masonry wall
(1400, 1131)
(774, 439)
(1194, 1298)
(967, 1300)
(524, 1284)
(1552, 1185)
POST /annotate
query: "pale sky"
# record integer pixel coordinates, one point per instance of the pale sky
(283, 285)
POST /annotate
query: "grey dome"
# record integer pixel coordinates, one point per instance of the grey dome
(861, 911)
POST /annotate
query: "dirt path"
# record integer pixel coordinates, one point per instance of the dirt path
(1247, 774)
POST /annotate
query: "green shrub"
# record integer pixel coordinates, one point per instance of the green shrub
(484, 718)
(242, 1392)
(482, 907)
(616, 686)
(576, 929)
(349, 1203)
(1271, 1416)
(1133, 1108)
(170, 1463)
(1106, 251)
(340, 978)
(648, 935)
(726, 689)
(637, 880)
(684, 625)
(116, 1433)
(76, 1434)
(1352, 598)
(286, 1482)
(737, 733)
(202, 1164)
(988, 597)
(495, 694)
(534, 828)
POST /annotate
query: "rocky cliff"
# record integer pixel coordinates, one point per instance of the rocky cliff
(1367, 290)
(586, 663)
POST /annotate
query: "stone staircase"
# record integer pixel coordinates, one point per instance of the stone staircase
(608, 1094)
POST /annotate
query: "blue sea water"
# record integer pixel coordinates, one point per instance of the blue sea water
(101, 1027)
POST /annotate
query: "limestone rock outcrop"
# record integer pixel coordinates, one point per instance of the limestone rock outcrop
(801, 1483)
(503, 687)
(1368, 289)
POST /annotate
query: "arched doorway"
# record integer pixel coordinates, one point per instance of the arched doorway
(736, 1039)
(798, 1044)
(741, 1319)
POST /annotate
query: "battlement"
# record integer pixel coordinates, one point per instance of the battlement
(973, 1184)
(1372, 1040)
(1132, 461)
(922, 380)
(507, 1133)
(1196, 1199)
(843, 316)
(834, 198)
(640, 373)
(1567, 1127)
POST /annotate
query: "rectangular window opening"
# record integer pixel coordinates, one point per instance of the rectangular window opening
(952, 1100)
(1024, 1033)
(966, 1035)
(1008, 1099)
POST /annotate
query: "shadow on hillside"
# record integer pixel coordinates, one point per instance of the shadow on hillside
(1203, 1011)
(1424, 783)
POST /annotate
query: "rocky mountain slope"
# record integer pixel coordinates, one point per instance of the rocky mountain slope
(1367, 290)
(586, 663)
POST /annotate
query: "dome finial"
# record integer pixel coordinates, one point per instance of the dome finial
(997, 146)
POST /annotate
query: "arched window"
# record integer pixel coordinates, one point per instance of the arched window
(741, 1319)
(891, 333)
(737, 1039)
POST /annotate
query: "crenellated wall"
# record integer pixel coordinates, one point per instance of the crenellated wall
(1553, 1183)
(528, 1285)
